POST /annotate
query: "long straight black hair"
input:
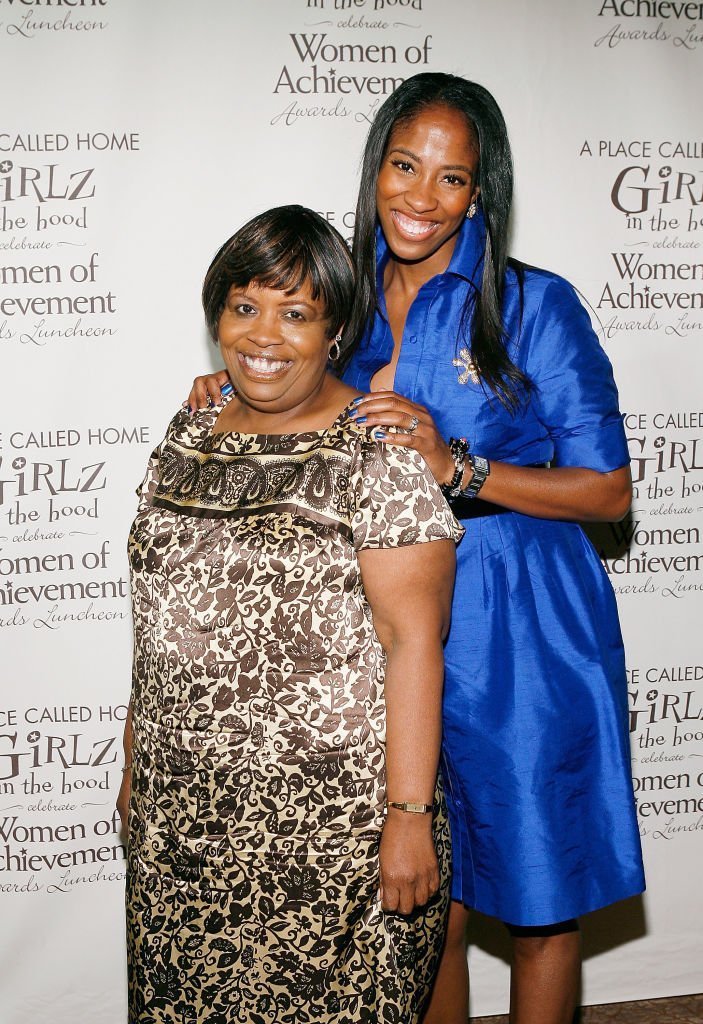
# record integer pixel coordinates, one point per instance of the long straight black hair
(483, 309)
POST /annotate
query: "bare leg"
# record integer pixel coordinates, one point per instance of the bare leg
(545, 978)
(450, 997)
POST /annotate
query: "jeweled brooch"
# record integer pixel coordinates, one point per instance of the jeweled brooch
(465, 363)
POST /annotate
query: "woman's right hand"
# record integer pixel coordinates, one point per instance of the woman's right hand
(207, 389)
(123, 796)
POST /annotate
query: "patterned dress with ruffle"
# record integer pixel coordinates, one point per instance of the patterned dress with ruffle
(259, 732)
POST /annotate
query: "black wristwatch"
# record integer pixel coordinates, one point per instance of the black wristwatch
(481, 471)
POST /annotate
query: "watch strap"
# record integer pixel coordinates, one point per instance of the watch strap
(481, 470)
(410, 808)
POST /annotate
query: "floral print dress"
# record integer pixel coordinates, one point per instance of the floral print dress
(258, 780)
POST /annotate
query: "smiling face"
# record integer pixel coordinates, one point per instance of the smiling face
(275, 346)
(426, 184)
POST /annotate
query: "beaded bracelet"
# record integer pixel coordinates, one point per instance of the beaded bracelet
(458, 447)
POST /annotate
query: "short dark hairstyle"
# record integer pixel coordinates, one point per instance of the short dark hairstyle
(483, 310)
(283, 248)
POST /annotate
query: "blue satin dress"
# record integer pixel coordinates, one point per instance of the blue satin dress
(536, 751)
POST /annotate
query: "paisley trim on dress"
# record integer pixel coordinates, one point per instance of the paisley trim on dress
(213, 485)
(273, 508)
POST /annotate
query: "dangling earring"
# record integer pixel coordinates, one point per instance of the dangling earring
(335, 344)
(471, 212)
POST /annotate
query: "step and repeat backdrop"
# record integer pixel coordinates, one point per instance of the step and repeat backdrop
(134, 138)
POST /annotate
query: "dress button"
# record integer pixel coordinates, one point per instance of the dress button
(412, 339)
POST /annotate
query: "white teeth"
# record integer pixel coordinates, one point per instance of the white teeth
(260, 364)
(414, 227)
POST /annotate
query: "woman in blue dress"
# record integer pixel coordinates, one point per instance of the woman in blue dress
(491, 371)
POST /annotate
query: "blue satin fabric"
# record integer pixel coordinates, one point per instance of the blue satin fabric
(536, 748)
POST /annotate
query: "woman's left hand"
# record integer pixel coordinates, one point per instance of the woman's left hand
(562, 492)
(408, 862)
(413, 428)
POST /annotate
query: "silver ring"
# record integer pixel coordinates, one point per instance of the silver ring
(413, 425)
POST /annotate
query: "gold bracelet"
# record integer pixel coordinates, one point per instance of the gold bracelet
(127, 768)
(410, 808)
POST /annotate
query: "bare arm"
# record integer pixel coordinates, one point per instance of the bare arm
(409, 590)
(558, 493)
(126, 785)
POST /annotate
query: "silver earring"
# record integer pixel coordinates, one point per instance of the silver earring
(335, 344)
(471, 212)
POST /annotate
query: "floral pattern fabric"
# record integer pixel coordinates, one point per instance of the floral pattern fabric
(259, 732)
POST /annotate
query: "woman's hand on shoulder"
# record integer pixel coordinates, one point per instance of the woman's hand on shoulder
(409, 872)
(207, 390)
(396, 420)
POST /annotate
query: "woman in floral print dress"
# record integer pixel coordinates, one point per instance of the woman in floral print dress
(291, 589)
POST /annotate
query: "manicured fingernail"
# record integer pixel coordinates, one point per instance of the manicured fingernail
(226, 389)
(355, 401)
(361, 419)
(188, 407)
(378, 434)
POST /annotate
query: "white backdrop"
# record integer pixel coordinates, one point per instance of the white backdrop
(134, 138)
